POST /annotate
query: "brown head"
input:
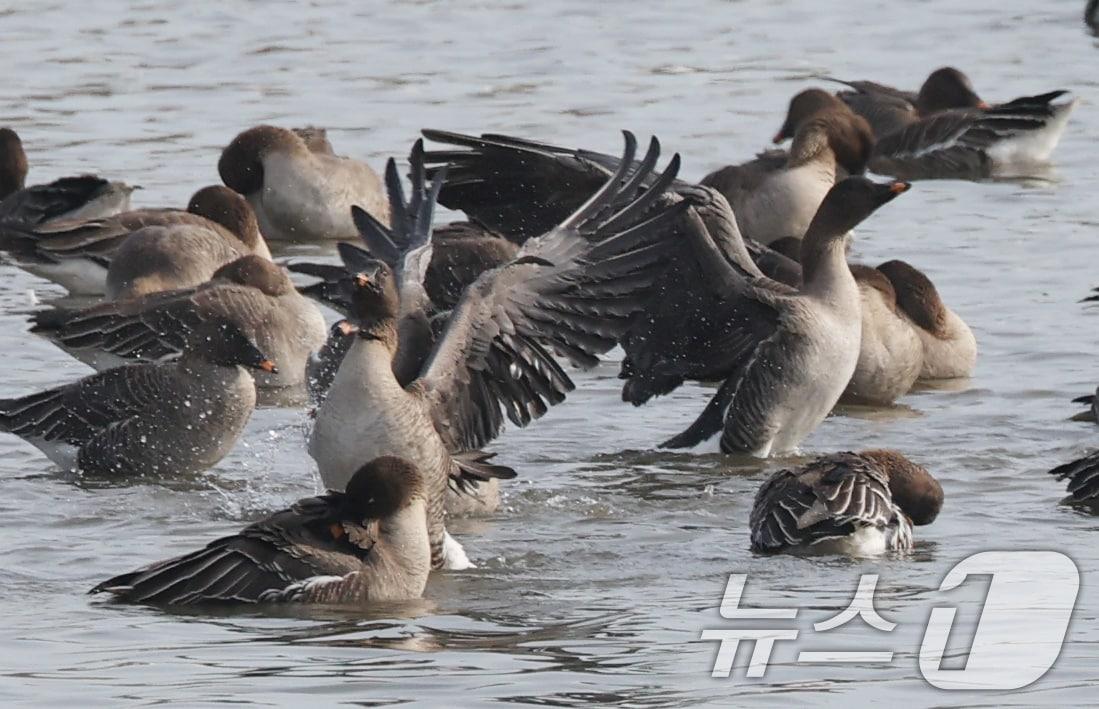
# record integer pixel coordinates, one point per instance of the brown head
(914, 489)
(838, 129)
(947, 88)
(804, 106)
(13, 163)
(256, 272)
(375, 303)
(241, 163)
(916, 296)
(227, 208)
(872, 277)
(381, 488)
(220, 341)
(846, 205)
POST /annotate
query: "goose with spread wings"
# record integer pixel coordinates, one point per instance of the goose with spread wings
(572, 290)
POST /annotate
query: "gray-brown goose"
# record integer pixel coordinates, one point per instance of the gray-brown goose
(253, 293)
(572, 289)
(81, 197)
(860, 504)
(170, 418)
(364, 545)
(299, 190)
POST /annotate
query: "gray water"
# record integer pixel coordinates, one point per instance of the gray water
(606, 560)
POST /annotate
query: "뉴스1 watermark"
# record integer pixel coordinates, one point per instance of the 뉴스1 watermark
(1022, 625)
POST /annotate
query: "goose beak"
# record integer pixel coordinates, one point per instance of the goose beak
(900, 187)
(984, 105)
(268, 366)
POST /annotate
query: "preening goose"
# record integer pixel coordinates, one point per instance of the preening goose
(862, 504)
(364, 545)
(299, 190)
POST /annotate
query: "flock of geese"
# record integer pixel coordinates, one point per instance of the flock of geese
(448, 332)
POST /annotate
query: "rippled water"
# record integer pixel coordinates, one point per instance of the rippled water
(607, 560)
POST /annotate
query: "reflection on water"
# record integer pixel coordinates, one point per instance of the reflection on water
(607, 558)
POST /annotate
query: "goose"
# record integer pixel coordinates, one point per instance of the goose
(367, 544)
(859, 504)
(1092, 413)
(170, 418)
(572, 289)
(949, 347)
(298, 193)
(177, 247)
(253, 293)
(81, 197)
(888, 109)
(785, 354)
(776, 195)
(971, 142)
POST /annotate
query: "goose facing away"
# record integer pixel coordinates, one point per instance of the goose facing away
(299, 194)
(572, 289)
(776, 195)
(253, 293)
(82, 197)
(861, 504)
(171, 418)
(785, 354)
(365, 545)
(949, 347)
(156, 259)
(891, 352)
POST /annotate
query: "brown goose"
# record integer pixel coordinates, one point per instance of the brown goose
(572, 289)
(170, 418)
(83, 197)
(364, 545)
(299, 190)
(253, 293)
(861, 504)
(949, 347)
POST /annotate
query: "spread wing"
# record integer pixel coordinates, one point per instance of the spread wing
(284, 557)
(572, 290)
(828, 499)
(77, 412)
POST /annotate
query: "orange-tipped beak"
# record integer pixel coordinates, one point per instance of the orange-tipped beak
(899, 187)
(984, 105)
(268, 366)
(362, 280)
(346, 328)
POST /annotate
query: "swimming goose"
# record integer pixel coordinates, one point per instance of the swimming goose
(170, 418)
(299, 194)
(253, 293)
(966, 143)
(82, 197)
(785, 354)
(776, 195)
(159, 258)
(861, 504)
(572, 289)
(178, 247)
(949, 347)
(364, 545)
(888, 109)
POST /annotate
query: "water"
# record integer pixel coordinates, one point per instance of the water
(606, 560)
